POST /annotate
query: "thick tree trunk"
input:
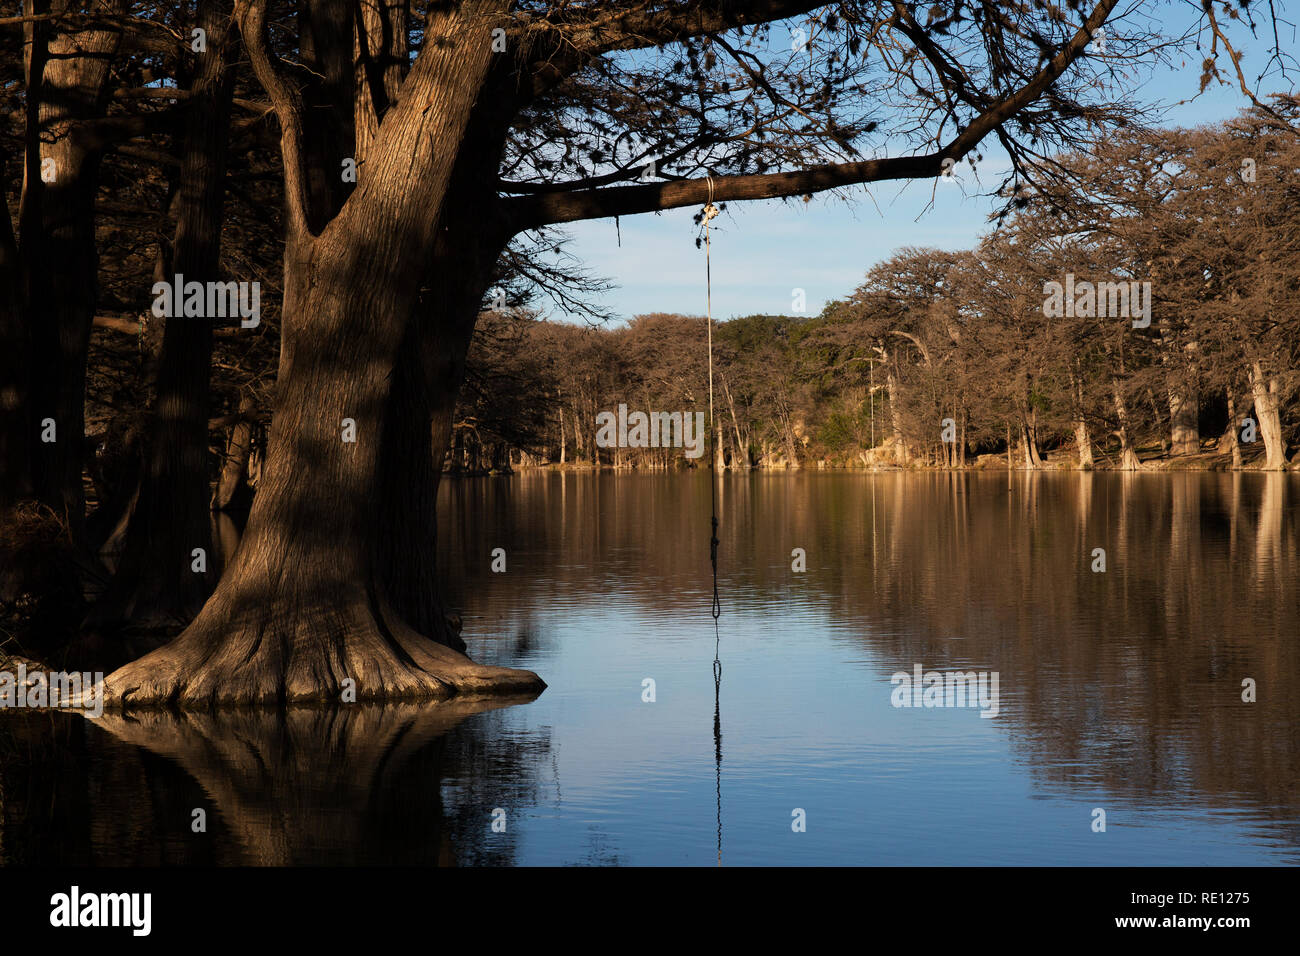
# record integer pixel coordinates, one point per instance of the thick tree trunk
(1180, 361)
(1029, 439)
(425, 386)
(1083, 443)
(422, 405)
(306, 610)
(305, 604)
(1263, 389)
(895, 415)
(1128, 459)
(1082, 438)
(414, 445)
(1184, 431)
(1233, 435)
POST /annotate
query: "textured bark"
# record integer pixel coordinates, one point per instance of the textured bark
(380, 55)
(306, 605)
(418, 426)
(430, 371)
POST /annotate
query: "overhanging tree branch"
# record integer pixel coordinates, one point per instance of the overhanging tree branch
(541, 210)
(561, 47)
(533, 211)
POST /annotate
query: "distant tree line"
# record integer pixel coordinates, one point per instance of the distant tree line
(1149, 312)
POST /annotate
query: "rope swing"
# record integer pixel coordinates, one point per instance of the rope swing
(710, 211)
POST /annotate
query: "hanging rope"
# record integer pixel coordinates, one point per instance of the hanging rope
(710, 211)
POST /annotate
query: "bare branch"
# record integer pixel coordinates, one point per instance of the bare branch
(251, 15)
(533, 211)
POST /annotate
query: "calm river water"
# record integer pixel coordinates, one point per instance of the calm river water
(1119, 690)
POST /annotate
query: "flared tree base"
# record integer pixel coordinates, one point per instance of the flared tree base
(340, 652)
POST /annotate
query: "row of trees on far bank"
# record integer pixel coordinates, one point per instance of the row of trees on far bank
(1176, 334)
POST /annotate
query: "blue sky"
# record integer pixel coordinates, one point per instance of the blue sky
(762, 251)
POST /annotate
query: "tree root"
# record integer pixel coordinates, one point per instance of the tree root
(337, 653)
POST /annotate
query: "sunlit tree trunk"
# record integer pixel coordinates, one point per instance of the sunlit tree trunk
(895, 412)
(1029, 437)
(1263, 389)
(1082, 438)
(741, 457)
(1184, 433)
(1128, 455)
(1083, 442)
(1232, 434)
